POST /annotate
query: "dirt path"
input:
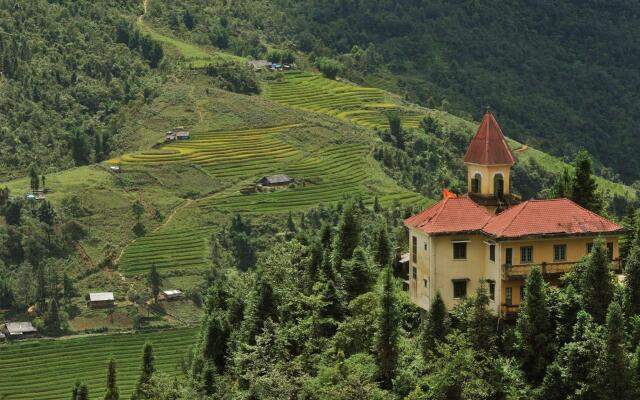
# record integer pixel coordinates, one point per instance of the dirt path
(145, 5)
(175, 210)
(522, 148)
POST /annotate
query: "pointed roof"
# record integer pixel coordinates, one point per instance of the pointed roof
(452, 214)
(488, 146)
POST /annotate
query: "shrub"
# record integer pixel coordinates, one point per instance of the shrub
(329, 67)
(234, 77)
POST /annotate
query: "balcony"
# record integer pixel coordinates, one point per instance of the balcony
(520, 271)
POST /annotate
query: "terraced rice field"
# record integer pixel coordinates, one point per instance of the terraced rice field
(167, 250)
(339, 172)
(47, 369)
(237, 153)
(365, 106)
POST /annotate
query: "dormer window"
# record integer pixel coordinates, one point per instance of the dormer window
(476, 183)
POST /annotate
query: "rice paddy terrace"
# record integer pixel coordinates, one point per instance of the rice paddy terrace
(365, 106)
(48, 369)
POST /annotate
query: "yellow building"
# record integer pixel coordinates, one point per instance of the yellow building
(488, 234)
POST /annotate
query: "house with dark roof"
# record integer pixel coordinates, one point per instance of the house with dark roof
(18, 330)
(490, 235)
(274, 182)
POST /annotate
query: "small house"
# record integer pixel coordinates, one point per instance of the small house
(169, 136)
(101, 300)
(259, 65)
(115, 168)
(173, 294)
(182, 135)
(19, 330)
(275, 181)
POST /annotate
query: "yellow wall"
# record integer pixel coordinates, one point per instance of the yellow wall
(488, 172)
(436, 264)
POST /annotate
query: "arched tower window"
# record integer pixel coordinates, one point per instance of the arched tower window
(498, 184)
(476, 183)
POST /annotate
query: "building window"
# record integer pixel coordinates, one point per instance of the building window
(426, 283)
(522, 293)
(459, 251)
(508, 298)
(498, 185)
(509, 256)
(492, 290)
(476, 183)
(425, 246)
(610, 251)
(415, 273)
(589, 248)
(414, 249)
(492, 252)
(526, 254)
(459, 289)
(560, 252)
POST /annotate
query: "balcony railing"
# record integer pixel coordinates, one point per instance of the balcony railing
(553, 268)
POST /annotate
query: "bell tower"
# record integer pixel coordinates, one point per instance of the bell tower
(489, 161)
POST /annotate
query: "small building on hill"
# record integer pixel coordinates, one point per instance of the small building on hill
(173, 294)
(183, 135)
(178, 133)
(101, 300)
(275, 182)
(19, 330)
(259, 65)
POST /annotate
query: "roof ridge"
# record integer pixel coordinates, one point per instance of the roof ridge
(522, 206)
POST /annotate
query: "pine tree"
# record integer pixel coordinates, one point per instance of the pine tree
(35, 181)
(395, 129)
(383, 249)
(155, 282)
(291, 226)
(434, 326)
(53, 317)
(357, 275)
(348, 236)
(214, 342)
(41, 289)
(534, 331)
(618, 373)
(481, 329)
(563, 186)
(377, 208)
(584, 184)
(112, 389)
(632, 280)
(68, 290)
(597, 287)
(80, 392)
(261, 307)
(146, 374)
(630, 224)
(386, 341)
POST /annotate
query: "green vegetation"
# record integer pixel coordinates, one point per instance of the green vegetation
(48, 369)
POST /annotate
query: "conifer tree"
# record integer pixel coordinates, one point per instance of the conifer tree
(481, 328)
(434, 326)
(584, 191)
(261, 307)
(53, 317)
(348, 236)
(383, 249)
(618, 374)
(357, 275)
(80, 392)
(376, 205)
(630, 224)
(35, 180)
(146, 374)
(386, 341)
(112, 389)
(155, 282)
(632, 280)
(597, 285)
(291, 226)
(534, 331)
(214, 343)
(563, 185)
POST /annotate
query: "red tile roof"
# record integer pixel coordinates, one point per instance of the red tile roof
(548, 217)
(531, 218)
(450, 215)
(488, 146)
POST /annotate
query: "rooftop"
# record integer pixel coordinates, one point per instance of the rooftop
(277, 179)
(488, 146)
(531, 218)
(18, 328)
(103, 296)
